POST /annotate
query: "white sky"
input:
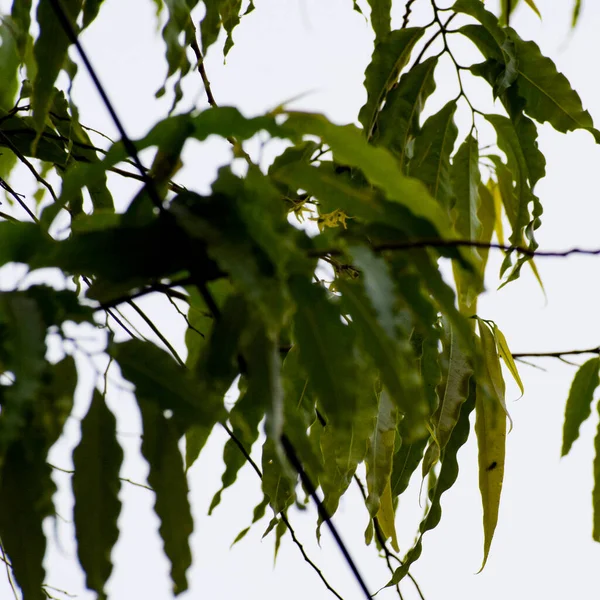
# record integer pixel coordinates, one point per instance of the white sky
(543, 546)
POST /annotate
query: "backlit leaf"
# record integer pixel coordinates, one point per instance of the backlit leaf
(506, 356)
(490, 427)
(390, 56)
(97, 461)
(379, 461)
(579, 402)
(446, 479)
(433, 147)
(167, 479)
(50, 51)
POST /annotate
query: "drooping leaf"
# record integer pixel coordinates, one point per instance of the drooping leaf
(91, 8)
(398, 121)
(97, 461)
(455, 390)
(433, 147)
(465, 182)
(375, 321)
(596, 490)
(23, 352)
(26, 490)
(490, 427)
(14, 38)
(446, 479)
(576, 12)
(390, 56)
(377, 164)
(167, 479)
(579, 402)
(506, 356)
(158, 378)
(379, 462)
(548, 94)
(50, 51)
(244, 417)
(381, 18)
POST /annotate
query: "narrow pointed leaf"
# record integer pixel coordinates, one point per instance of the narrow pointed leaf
(168, 480)
(490, 427)
(26, 490)
(446, 479)
(596, 491)
(398, 122)
(50, 52)
(390, 56)
(380, 17)
(97, 461)
(506, 356)
(579, 402)
(433, 147)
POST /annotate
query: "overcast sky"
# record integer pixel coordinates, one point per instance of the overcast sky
(318, 51)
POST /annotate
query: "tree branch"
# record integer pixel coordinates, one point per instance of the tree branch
(401, 245)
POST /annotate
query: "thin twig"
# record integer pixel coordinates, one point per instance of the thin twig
(439, 243)
(323, 512)
(560, 354)
(19, 200)
(8, 571)
(125, 479)
(284, 518)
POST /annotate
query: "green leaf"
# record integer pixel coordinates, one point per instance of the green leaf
(210, 26)
(91, 8)
(178, 34)
(433, 147)
(547, 93)
(377, 164)
(230, 17)
(506, 356)
(596, 491)
(375, 322)
(23, 352)
(21, 16)
(379, 458)
(465, 181)
(167, 479)
(26, 490)
(455, 390)
(381, 18)
(97, 461)
(521, 195)
(390, 56)
(326, 349)
(217, 367)
(447, 476)
(50, 52)
(14, 39)
(398, 121)
(490, 427)
(159, 378)
(245, 416)
(533, 7)
(576, 12)
(579, 402)
(327, 353)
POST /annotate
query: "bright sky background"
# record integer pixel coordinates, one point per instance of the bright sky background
(543, 548)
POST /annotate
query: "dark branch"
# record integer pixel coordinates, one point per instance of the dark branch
(560, 354)
(437, 243)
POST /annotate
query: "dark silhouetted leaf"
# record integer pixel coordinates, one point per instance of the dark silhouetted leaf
(167, 479)
(579, 402)
(50, 51)
(380, 17)
(97, 461)
(446, 479)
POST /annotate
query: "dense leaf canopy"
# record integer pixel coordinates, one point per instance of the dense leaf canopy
(353, 350)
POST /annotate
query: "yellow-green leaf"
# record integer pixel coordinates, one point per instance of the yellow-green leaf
(506, 356)
(579, 402)
(490, 427)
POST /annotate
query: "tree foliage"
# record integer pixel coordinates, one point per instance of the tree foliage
(348, 345)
